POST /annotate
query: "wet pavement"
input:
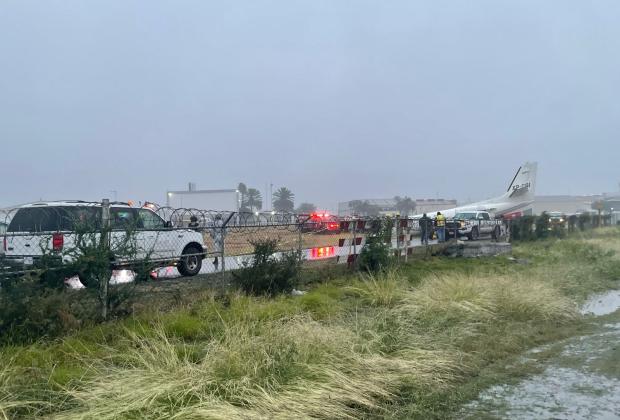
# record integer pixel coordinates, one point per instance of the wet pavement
(581, 382)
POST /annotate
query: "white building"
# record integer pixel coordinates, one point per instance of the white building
(217, 200)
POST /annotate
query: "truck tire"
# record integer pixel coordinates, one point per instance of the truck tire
(191, 261)
(473, 235)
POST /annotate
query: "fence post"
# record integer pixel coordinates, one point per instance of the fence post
(223, 241)
(398, 231)
(353, 242)
(223, 250)
(299, 237)
(406, 238)
(105, 245)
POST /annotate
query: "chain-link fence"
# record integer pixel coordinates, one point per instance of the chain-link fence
(175, 242)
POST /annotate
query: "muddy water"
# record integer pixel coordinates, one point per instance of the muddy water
(581, 382)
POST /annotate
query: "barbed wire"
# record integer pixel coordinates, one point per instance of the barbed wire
(225, 239)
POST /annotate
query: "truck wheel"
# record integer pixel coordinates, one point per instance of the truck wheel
(191, 261)
(473, 235)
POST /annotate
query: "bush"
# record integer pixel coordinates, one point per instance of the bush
(30, 308)
(375, 256)
(38, 304)
(542, 226)
(268, 274)
(584, 221)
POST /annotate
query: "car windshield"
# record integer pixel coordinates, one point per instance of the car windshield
(465, 216)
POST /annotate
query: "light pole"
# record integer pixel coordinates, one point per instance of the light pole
(271, 196)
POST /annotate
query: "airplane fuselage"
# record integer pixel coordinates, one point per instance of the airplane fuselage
(518, 196)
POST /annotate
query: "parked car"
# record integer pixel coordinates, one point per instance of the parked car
(473, 224)
(54, 228)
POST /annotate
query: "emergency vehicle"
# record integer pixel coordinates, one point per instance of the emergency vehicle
(321, 222)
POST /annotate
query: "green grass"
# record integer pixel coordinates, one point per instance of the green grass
(413, 343)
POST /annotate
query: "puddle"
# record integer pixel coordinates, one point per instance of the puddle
(602, 304)
(581, 382)
(558, 393)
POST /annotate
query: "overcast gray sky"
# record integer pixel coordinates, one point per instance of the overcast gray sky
(334, 99)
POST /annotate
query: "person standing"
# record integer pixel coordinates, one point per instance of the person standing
(425, 225)
(440, 223)
(218, 233)
(193, 223)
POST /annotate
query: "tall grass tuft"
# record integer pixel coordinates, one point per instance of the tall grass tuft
(461, 298)
(14, 398)
(286, 368)
(386, 288)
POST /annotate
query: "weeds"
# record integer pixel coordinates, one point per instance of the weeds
(385, 289)
(392, 344)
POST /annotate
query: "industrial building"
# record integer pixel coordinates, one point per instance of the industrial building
(571, 204)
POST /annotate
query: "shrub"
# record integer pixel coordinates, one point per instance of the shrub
(542, 226)
(37, 304)
(584, 221)
(375, 255)
(269, 274)
(527, 228)
(30, 308)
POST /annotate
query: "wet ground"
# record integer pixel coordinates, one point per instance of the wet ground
(581, 381)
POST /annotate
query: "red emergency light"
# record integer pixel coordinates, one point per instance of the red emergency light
(333, 226)
(322, 252)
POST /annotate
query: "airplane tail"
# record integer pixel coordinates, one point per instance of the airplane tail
(523, 185)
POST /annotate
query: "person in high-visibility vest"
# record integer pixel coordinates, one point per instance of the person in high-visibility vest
(440, 224)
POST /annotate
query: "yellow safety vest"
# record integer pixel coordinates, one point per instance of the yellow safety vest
(440, 220)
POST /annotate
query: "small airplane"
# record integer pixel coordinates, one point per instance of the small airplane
(520, 194)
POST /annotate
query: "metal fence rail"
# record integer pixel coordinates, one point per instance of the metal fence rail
(167, 239)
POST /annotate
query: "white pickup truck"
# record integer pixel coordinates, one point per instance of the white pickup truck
(50, 228)
(473, 224)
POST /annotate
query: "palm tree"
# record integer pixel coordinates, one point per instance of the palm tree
(254, 200)
(243, 192)
(404, 205)
(284, 200)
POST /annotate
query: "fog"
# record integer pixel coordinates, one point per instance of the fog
(335, 100)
